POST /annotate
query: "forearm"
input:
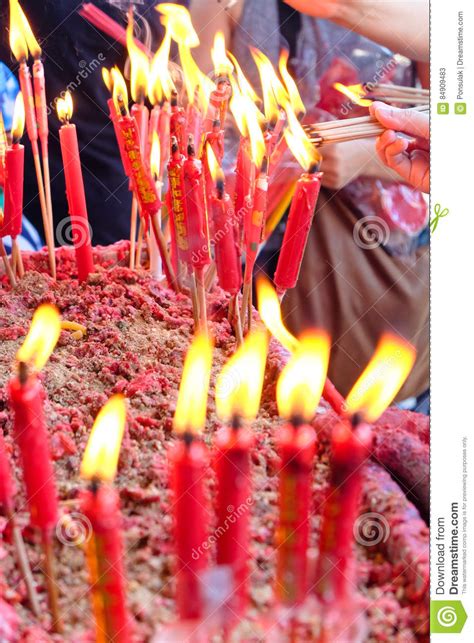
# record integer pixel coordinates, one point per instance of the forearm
(401, 25)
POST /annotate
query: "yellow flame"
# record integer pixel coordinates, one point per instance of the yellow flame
(177, 20)
(139, 65)
(107, 78)
(245, 87)
(270, 312)
(382, 378)
(274, 94)
(298, 142)
(103, 447)
(31, 41)
(18, 42)
(120, 93)
(239, 384)
(301, 382)
(64, 107)
(354, 92)
(214, 167)
(190, 415)
(222, 64)
(160, 83)
(41, 338)
(155, 156)
(197, 83)
(291, 88)
(18, 125)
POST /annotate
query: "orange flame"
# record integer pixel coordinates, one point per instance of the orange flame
(274, 94)
(214, 167)
(139, 65)
(107, 78)
(120, 93)
(247, 118)
(160, 83)
(222, 64)
(239, 384)
(354, 92)
(18, 42)
(31, 41)
(18, 124)
(270, 312)
(298, 142)
(382, 378)
(177, 20)
(245, 87)
(103, 447)
(301, 382)
(155, 156)
(291, 88)
(190, 415)
(41, 338)
(197, 83)
(64, 107)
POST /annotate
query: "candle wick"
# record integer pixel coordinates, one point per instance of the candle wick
(356, 419)
(296, 420)
(188, 438)
(95, 485)
(236, 422)
(22, 373)
(313, 168)
(220, 188)
(191, 151)
(174, 98)
(264, 166)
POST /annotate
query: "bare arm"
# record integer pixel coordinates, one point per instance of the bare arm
(401, 25)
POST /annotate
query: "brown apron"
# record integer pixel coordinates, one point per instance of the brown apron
(357, 292)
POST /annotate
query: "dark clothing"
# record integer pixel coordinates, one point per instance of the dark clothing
(73, 54)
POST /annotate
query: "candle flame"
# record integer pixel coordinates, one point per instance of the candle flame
(18, 124)
(41, 338)
(298, 142)
(270, 312)
(382, 378)
(139, 65)
(247, 118)
(291, 88)
(190, 415)
(198, 85)
(222, 64)
(213, 164)
(354, 92)
(160, 83)
(245, 87)
(31, 41)
(155, 156)
(177, 20)
(107, 78)
(103, 447)
(119, 93)
(274, 94)
(239, 384)
(301, 382)
(18, 43)
(64, 107)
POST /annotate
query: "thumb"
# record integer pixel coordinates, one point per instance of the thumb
(409, 121)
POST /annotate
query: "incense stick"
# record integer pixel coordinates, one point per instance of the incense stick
(6, 263)
(133, 231)
(24, 564)
(52, 585)
(48, 231)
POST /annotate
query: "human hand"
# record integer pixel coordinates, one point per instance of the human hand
(408, 157)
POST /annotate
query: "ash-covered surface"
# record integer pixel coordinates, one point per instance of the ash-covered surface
(137, 336)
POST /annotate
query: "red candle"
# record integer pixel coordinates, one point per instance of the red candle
(233, 445)
(100, 506)
(197, 224)
(14, 176)
(28, 98)
(164, 135)
(350, 448)
(215, 139)
(30, 432)
(178, 218)
(244, 183)
(114, 117)
(152, 129)
(253, 226)
(298, 393)
(296, 446)
(188, 475)
(178, 123)
(297, 230)
(75, 189)
(40, 102)
(141, 115)
(7, 488)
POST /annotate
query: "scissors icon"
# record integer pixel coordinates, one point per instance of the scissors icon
(438, 214)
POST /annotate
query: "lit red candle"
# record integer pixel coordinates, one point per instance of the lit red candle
(224, 229)
(14, 174)
(178, 123)
(238, 392)
(299, 389)
(214, 139)
(75, 189)
(189, 465)
(26, 396)
(7, 488)
(351, 446)
(302, 208)
(101, 507)
(178, 216)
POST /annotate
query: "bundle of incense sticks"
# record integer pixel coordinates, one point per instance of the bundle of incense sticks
(397, 94)
(349, 129)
